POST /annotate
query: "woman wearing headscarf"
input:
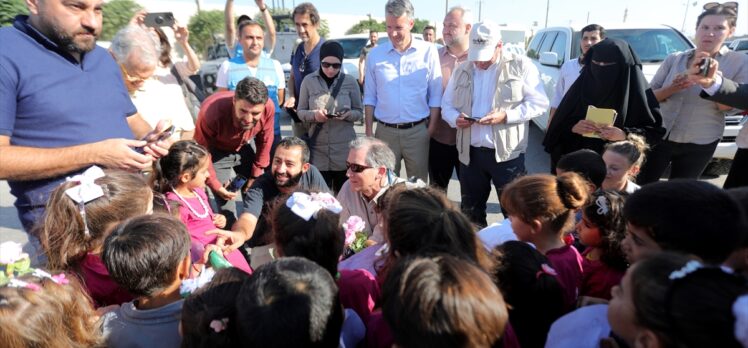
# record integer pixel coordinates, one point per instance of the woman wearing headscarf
(694, 125)
(612, 79)
(331, 120)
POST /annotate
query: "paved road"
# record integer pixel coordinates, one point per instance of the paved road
(537, 161)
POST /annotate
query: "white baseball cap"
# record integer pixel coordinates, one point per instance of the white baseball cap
(483, 40)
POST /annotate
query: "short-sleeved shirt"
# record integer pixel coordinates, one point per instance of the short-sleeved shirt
(568, 74)
(309, 63)
(48, 99)
(259, 199)
(402, 86)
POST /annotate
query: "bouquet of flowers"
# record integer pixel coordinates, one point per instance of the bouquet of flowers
(355, 238)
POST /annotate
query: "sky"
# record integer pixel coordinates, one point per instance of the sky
(525, 12)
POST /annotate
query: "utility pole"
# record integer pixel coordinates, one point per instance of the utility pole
(480, 10)
(446, 7)
(588, 17)
(198, 3)
(547, 8)
(685, 15)
(625, 14)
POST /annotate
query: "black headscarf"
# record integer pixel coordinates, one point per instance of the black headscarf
(334, 49)
(620, 86)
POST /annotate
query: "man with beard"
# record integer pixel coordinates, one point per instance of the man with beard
(290, 171)
(228, 124)
(63, 104)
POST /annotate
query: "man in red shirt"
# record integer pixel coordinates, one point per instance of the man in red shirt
(237, 128)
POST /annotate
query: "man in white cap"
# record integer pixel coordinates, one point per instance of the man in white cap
(490, 100)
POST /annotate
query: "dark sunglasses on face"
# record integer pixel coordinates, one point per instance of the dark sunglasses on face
(327, 65)
(356, 168)
(729, 4)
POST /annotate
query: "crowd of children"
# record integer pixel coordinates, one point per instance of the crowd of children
(585, 258)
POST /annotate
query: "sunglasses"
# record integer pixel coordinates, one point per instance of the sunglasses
(130, 78)
(730, 4)
(327, 65)
(304, 65)
(356, 168)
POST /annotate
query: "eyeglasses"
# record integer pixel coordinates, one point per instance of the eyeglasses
(729, 4)
(130, 78)
(327, 65)
(304, 64)
(356, 168)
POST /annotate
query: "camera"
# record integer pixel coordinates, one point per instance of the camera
(159, 19)
(704, 66)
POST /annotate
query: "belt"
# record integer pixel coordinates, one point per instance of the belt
(481, 148)
(405, 125)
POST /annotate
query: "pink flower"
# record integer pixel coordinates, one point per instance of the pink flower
(352, 225)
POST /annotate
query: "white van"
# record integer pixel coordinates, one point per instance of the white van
(551, 47)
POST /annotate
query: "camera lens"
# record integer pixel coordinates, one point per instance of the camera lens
(159, 20)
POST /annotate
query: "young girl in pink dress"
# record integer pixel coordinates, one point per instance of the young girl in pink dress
(601, 229)
(181, 177)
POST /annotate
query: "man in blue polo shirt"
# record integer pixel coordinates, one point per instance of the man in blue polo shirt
(63, 104)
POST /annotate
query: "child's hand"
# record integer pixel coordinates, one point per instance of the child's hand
(228, 241)
(219, 221)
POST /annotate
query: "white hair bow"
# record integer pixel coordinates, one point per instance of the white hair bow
(602, 205)
(306, 206)
(86, 191)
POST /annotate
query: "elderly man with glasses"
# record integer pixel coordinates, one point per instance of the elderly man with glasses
(370, 163)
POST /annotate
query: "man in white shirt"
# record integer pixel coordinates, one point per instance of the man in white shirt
(490, 100)
(569, 73)
(403, 90)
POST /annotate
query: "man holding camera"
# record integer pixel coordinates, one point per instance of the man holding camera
(54, 122)
(228, 125)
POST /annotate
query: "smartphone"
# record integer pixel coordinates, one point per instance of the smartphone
(704, 67)
(166, 134)
(159, 19)
(236, 183)
(470, 118)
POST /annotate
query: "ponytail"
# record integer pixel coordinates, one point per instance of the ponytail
(184, 156)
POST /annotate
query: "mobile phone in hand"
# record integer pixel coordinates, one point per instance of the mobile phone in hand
(704, 66)
(236, 183)
(470, 118)
(166, 134)
(159, 19)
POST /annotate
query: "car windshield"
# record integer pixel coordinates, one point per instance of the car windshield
(352, 46)
(651, 45)
(741, 45)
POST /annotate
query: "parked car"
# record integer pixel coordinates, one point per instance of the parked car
(551, 47)
(739, 45)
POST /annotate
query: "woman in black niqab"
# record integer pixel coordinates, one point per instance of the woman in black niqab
(611, 78)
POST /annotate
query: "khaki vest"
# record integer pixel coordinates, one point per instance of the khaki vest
(510, 140)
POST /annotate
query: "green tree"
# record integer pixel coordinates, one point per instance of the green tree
(117, 14)
(204, 26)
(9, 9)
(365, 25)
(419, 25)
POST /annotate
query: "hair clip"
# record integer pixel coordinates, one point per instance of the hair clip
(546, 269)
(219, 325)
(602, 205)
(15, 283)
(306, 206)
(740, 310)
(86, 191)
(688, 268)
(58, 279)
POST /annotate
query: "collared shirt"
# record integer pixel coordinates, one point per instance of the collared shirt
(158, 100)
(354, 203)
(687, 117)
(48, 99)
(402, 86)
(443, 132)
(568, 74)
(534, 102)
(215, 129)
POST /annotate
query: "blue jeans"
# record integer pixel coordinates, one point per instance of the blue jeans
(476, 179)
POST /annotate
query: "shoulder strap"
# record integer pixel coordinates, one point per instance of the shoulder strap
(335, 91)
